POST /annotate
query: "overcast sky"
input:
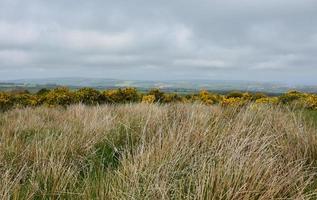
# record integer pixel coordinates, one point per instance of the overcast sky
(264, 40)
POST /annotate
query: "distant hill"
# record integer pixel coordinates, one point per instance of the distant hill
(174, 85)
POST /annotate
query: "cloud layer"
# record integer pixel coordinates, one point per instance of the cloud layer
(141, 39)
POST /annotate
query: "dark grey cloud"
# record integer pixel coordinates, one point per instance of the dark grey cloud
(272, 40)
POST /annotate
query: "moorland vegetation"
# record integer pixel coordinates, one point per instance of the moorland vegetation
(123, 144)
(157, 151)
(63, 96)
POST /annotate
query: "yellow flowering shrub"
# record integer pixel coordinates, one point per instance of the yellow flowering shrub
(148, 99)
(291, 96)
(110, 96)
(233, 101)
(267, 100)
(190, 98)
(171, 97)
(88, 96)
(208, 98)
(5, 101)
(247, 96)
(129, 95)
(158, 94)
(121, 95)
(24, 100)
(311, 101)
(257, 96)
(60, 96)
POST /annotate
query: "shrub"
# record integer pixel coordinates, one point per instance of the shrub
(43, 91)
(267, 100)
(234, 95)
(63, 96)
(148, 99)
(247, 96)
(257, 96)
(191, 98)
(170, 98)
(110, 96)
(129, 95)
(208, 98)
(5, 101)
(290, 97)
(233, 101)
(125, 95)
(159, 96)
(311, 102)
(88, 96)
(19, 91)
(24, 100)
(60, 96)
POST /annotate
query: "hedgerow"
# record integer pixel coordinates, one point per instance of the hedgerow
(63, 96)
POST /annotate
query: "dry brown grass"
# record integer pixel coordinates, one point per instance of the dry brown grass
(142, 151)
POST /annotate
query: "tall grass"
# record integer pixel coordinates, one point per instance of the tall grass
(141, 151)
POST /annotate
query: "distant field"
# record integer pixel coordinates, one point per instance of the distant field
(151, 151)
(180, 86)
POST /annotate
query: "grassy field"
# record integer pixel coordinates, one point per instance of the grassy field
(149, 151)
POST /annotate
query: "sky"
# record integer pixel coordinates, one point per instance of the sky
(253, 40)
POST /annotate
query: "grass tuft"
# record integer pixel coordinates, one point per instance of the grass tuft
(149, 151)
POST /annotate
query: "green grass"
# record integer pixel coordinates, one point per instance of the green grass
(311, 116)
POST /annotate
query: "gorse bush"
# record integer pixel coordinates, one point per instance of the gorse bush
(6, 101)
(267, 100)
(291, 97)
(89, 96)
(311, 102)
(60, 96)
(209, 98)
(126, 95)
(148, 98)
(23, 100)
(159, 96)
